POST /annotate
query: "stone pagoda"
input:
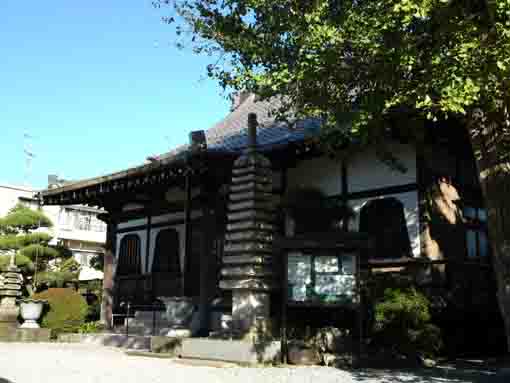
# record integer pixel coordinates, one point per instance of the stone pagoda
(10, 290)
(247, 263)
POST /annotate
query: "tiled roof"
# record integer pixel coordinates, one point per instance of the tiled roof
(230, 134)
(227, 136)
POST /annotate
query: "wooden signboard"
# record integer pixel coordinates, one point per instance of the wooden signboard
(321, 271)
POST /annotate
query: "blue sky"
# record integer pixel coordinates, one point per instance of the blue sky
(99, 86)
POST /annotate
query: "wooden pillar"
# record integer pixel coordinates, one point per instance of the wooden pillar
(108, 282)
(187, 235)
(198, 145)
(345, 190)
(207, 261)
(285, 301)
(148, 281)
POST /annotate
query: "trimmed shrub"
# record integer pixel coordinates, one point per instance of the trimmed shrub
(403, 323)
(65, 312)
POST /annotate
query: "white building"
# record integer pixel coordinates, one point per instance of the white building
(75, 227)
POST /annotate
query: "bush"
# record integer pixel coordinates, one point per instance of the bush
(55, 278)
(94, 309)
(403, 323)
(66, 311)
(91, 328)
(24, 263)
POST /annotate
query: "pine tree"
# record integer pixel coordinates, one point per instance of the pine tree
(33, 253)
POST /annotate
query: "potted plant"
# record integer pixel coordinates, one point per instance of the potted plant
(313, 212)
(31, 310)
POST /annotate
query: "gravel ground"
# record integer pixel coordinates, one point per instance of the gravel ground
(71, 363)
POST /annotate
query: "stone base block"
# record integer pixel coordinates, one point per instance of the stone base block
(303, 356)
(26, 335)
(234, 351)
(9, 312)
(7, 330)
(248, 307)
(166, 345)
(30, 323)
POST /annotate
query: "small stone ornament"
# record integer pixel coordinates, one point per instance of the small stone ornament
(31, 310)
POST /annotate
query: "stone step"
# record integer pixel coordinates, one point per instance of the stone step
(111, 340)
(204, 363)
(149, 354)
(140, 330)
(137, 351)
(167, 330)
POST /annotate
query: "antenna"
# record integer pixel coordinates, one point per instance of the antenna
(167, 139)
(29, 156)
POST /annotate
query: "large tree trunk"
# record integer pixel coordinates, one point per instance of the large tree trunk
(490, 146)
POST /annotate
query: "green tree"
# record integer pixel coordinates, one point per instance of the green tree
(355, 64)
(97, 262)
(31, 249)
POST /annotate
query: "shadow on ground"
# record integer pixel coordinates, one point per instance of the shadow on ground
(440, 374)
(2, 380)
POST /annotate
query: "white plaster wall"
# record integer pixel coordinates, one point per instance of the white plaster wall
(410, 202)
(143, 246)
(9, 197)
(148, 261)
(365, 171)
(321, 172)
(152, 245)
